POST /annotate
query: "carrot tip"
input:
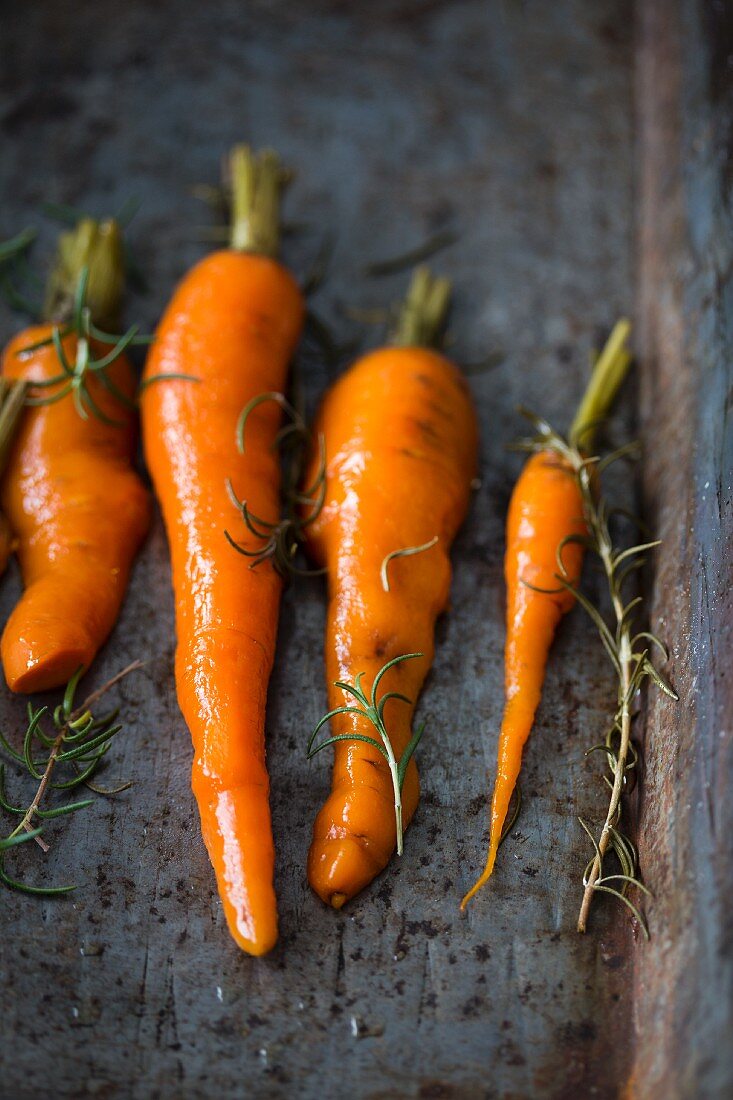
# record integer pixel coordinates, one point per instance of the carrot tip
(482, 879)
(471, 894)
(337, 900)
(28, 670)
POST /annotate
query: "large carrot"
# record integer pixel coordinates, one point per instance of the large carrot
(545, 535)
(70, 491)
(400, 439)
(12, 398)
(232, 325)
(12, 403)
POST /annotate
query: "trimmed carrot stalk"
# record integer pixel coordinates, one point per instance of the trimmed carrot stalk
(400, 438)
(70, 490)
(545, 514)
(232, 326)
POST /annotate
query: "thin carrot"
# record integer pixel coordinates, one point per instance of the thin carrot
(70, 490)
(400, 438)
(231, 326)
(545, 535)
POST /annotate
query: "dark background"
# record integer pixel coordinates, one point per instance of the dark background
(580, 154)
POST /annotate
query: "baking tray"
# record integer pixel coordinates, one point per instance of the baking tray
(536, 134)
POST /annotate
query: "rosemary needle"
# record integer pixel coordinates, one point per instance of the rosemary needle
(279, 541)
(407, 552)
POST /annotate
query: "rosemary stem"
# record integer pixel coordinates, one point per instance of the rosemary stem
(392, 762)
(625, 657)
(256, 181)
(27, 820)
(618, 780)
(423, 313)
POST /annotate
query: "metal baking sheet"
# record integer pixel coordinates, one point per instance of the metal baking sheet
(512, 125)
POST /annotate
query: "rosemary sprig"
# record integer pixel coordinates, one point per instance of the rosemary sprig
(280, 541)
(406, 552)
(369, 707)
(16, 245)
(84, 292)
(77, 742)
(73, 378)
(628, 649)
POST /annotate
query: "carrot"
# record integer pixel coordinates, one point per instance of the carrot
(12, 401)
(12, 394)
(545, 535)
(232, 325)
(70, 491)
(400, 438)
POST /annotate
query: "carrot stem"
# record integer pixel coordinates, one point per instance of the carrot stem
(97, 247)
(256, 181)
(608, 373)
(423, 313)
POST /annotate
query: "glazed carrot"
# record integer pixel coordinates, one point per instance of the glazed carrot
(400, 438)
(232, 325)
(12, 397)
(544, 534)
(70, 491)
(12, 402)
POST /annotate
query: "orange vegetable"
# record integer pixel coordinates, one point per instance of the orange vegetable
(7, 543)
(70, 491)
(232, 325)
(400, 438)
(12, 401)
(545, 523)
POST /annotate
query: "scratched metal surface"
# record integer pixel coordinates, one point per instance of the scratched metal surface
(512, 124)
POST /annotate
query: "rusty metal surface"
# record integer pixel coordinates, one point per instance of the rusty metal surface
(510, 122)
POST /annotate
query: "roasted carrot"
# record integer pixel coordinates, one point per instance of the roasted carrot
(70, 491)
(231, 326)
(545, 535)
(12, 402)
(400, 439)
(12, 394)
